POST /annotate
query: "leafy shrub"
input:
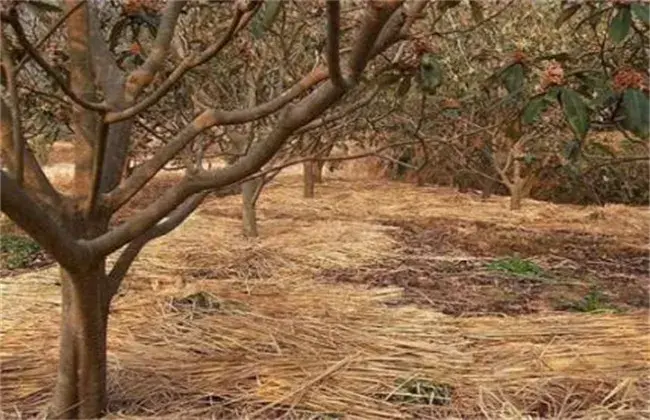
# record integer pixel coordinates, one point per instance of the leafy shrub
(18, 251)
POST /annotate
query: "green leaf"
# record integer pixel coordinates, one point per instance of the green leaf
(566, 14)
(620, 26)
(575, 112)
(553, 94)
(641, 11)
(513, 78)
(404, 86)
(477, 11)
(637, 112)
(265, 17)
(572, 150)
(430, 73)
(534, 108)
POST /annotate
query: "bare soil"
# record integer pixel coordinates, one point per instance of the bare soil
(445, 265)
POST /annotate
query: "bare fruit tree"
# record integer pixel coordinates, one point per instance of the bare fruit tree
(105, 101)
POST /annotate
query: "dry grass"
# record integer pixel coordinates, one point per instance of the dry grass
(274, 342)
(372, 201)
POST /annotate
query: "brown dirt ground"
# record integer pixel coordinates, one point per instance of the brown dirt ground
(444, 265)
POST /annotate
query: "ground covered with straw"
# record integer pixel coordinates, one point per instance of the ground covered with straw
(373, 300)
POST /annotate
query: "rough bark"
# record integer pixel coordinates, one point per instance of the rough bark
(81, 382)
(308, 179)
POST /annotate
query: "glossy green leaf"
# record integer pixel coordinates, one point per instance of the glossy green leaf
(553, 94)
(641, 11)
(575, 112)
(620, 25)
(637, 112)
(431, 73)
(534, 109)
(572, 149)
(265, 17)
(513, 78)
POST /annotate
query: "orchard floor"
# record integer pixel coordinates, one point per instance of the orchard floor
(374, 300)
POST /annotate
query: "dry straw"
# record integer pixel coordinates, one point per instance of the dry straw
(211, 325)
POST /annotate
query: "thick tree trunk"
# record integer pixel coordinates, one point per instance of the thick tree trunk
(249, 212)
(308, 179)
(81, 383)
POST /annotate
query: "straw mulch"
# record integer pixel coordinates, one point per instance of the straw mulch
(212, 325)
(371, 201)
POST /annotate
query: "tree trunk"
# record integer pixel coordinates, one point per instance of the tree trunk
(318, 171)
(516, 195)
(81, 383)
(249, 212)
(487, 188)
(308, 179)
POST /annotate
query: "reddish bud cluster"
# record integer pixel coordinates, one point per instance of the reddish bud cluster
(553, 75)
(421, 47)
(135, 49)
(413, 53)
(627, 78)
(519, 57)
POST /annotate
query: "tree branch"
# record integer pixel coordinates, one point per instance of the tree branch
(27, 214)
(128, 256)
(342, 113)
(205, 120)
(316, 156)
(259, 154)
(376, 15)
(24, 42)
(333, 35)
(49, 33)
(186, 65)
(14, 110)
(141, 77)
(35, 181)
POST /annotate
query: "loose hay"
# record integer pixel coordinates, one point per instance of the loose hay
(266, 340)
(337, 350)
